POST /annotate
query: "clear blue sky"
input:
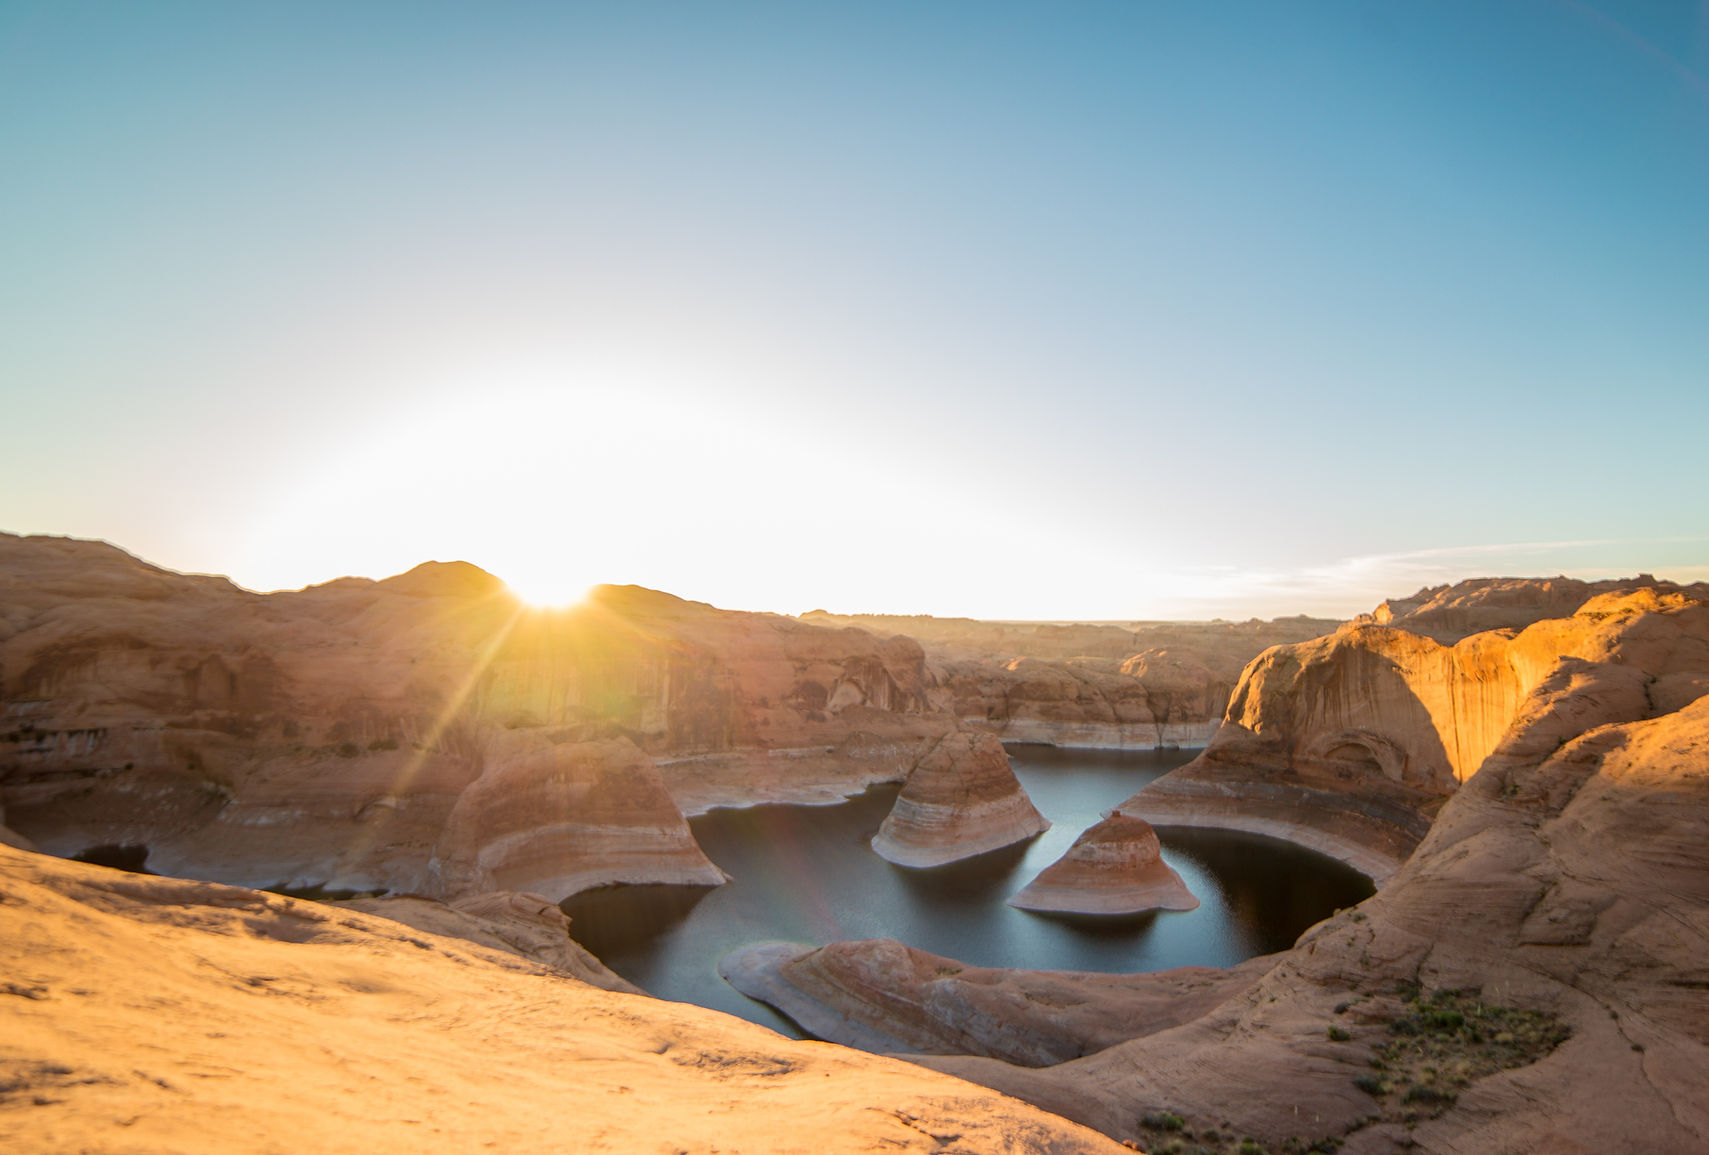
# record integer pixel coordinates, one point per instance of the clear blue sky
(1094, 310)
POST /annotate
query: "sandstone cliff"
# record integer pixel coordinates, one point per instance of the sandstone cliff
(152, 1014)
(563, 818)
(425, 733)
(1148, 701)
(960, 799)
(1134, 685)
(1451, 612)
(1350, 743)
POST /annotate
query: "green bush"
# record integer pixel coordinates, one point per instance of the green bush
(1424, 1093)
(1441, 1044)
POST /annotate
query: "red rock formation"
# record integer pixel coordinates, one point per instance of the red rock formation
(1567, 878)
(1528, 981)
(529, 926)
(1087, 703)
(1114, 867)
(1449, 613)
(563, 818)
(881, 995)
(1350, 743)
(154, 1014)
(1141, 685)
(339, 735)
(960, 799)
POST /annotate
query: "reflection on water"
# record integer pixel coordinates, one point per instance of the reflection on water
(989, 877)
(806, 873)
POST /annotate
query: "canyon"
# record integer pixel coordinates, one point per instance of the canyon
(1534, 798)
(427, 733)
(430, 733)
(1521, 765)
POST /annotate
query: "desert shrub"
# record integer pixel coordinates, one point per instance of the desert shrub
(1424, 1093)
(1444, 1043)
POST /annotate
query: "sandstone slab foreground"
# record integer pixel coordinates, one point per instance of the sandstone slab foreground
(149, 1014)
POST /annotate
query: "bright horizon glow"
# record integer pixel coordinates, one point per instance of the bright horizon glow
(1341, 589)
(1014, 310)
(548, 592)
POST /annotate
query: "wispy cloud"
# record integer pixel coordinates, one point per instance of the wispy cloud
(1356, 583)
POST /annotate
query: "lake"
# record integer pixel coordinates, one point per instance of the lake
(806, 874)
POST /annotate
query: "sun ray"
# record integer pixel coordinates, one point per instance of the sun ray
(426, 746)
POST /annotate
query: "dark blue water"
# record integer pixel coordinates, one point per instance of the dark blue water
(806, 874)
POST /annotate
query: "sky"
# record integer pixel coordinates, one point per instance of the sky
(1039, 310)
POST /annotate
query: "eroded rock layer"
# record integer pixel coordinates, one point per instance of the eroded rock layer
(1118, 685)
(1133, 685)
(1351, 743)
(881, 995)
(1114, 867)
(960, 799)
(425, 733)
(1528, 981)
(153, 1014)
(529, 926)
(561, 818)
(1542, 952)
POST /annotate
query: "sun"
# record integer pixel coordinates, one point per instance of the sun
(549, 590)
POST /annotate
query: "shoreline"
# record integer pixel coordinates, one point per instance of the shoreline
(697, 800)
(1374, 865)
